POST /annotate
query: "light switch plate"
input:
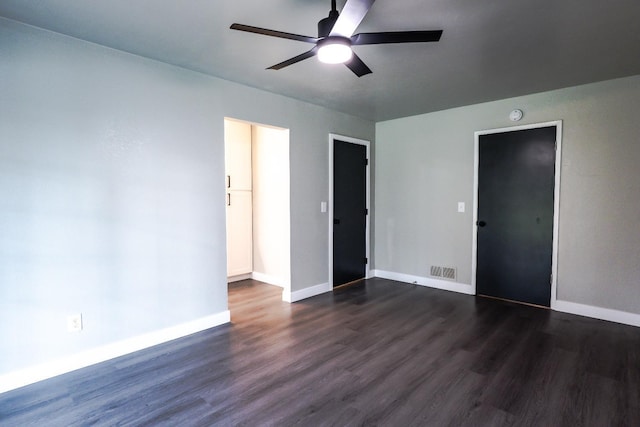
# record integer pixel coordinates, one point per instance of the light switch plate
(461, 207)
(74, 322)
(323, 207)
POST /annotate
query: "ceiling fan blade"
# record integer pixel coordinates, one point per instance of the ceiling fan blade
(358, 67)
(274, 33)
(295, 59)
(350, 17)
(396, 37)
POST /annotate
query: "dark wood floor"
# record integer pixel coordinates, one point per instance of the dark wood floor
(378, 353)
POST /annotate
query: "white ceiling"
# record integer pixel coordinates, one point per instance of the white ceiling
(491, 49)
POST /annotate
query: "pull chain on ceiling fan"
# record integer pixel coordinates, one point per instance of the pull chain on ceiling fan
(335, 37)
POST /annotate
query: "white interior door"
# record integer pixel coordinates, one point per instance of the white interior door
(237, 142)
(239, 233)
(237, 163)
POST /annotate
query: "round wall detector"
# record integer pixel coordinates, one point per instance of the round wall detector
(516, 115)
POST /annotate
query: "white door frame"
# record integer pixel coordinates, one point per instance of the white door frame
(333, 137)
(282, 281)
(556, 201)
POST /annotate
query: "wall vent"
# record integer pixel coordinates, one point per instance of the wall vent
(448, 273)
(436, 271)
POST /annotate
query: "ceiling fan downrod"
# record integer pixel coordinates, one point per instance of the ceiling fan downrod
(325, 25)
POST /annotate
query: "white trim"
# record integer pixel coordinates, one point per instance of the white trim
(556, 200)
(33, 374)
(305, 293)
(608, 314)
(272, 280)
(239, 277)
(269, 279)
(367, 144)
(430, 282)
(556, 213)
(593, 312)
(474, 227)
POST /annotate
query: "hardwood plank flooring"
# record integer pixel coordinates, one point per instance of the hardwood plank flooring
(376, 353)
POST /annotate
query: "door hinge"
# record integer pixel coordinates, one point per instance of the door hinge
(551, 279)
(366, 162)
(366, 260)
(555, 145)
(366, 211)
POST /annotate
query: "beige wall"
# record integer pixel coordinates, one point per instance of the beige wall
(271, 205)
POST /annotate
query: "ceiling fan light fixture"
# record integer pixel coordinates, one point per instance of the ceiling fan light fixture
(334, 50)
(336, 36)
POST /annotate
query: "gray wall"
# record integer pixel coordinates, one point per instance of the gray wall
(424, 167)
(112, 183)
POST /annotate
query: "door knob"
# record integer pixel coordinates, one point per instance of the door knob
(481, 223)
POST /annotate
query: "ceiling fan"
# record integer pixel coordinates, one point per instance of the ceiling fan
(335, 37)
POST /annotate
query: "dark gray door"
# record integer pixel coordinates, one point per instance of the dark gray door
(349, 211)
(516, 181)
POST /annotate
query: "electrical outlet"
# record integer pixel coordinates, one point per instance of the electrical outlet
(74, 322)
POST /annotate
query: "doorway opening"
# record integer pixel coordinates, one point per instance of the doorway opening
(349, 201)
(516, 213)
(257, 184)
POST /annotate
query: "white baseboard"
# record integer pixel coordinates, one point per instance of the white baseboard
(268, 278)
(446, 285)
(608, 314)
(305, 293)
(239, 277)
(30, 375)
